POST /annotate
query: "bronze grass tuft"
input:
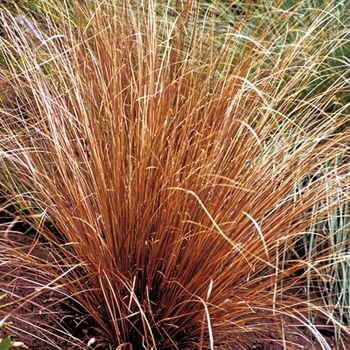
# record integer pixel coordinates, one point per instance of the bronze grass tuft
(170, 169)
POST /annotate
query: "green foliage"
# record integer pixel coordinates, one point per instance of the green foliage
(326, 245)
(6, 343)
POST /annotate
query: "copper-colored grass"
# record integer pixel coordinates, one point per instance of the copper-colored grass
(168, 172)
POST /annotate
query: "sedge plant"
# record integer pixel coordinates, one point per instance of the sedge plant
(169, 175)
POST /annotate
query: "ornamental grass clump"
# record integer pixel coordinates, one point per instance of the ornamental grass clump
(174, 179)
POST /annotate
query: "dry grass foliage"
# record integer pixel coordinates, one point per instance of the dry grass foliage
(169, 170)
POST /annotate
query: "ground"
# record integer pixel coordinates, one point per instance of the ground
(19, 281)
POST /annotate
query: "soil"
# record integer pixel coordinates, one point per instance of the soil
(44, 321)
